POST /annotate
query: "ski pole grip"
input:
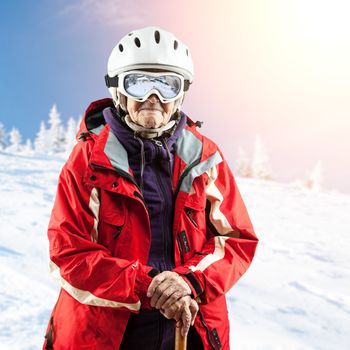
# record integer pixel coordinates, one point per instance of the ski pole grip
(180, 341)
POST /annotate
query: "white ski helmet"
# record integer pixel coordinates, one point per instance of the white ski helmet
(149, 48)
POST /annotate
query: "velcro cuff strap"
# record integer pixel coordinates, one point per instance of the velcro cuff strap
(152, 273)
(194, 282)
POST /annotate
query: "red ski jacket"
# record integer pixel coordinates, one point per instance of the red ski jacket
(99, 235)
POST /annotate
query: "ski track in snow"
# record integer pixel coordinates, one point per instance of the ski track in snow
(295, 295)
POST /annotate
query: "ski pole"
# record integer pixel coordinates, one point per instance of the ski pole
(180, 340)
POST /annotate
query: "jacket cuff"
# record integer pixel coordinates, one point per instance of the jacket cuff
(144, 282)
(193, 283)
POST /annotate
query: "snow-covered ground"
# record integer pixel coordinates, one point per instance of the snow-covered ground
(294, 296)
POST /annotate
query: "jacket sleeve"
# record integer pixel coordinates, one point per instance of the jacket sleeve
(232, 242)
(85, 268)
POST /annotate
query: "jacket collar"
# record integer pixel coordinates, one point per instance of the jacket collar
(194, 154)
(127, 138)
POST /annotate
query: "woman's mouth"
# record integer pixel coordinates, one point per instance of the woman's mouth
(150, 109)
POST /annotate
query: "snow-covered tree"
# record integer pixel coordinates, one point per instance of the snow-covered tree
(3, 137)
(55, 132)
(260, 163)
(70, 139)
(315, 178)
(15, 141)
(243, 167)
(41, 142)
(27, 149)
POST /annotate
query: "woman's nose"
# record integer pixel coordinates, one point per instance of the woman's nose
(153, 98)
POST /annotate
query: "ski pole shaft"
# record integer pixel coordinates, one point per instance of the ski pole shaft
(180, 340)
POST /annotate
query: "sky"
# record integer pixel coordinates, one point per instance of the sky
(274, 68)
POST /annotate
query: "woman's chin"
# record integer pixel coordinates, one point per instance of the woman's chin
(152, 120)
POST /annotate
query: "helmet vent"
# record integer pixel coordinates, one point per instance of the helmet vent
(137, 42)
(121, 48)
(157, 36)
(176, 44)
(187, 52)
(130, 33)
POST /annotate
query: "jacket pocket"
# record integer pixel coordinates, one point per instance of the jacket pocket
(49, 335)
(112, 216)
(195, 213)
(118, 231)
(189, 213)
(111, 226)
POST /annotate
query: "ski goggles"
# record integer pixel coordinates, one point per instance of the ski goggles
(139, 85)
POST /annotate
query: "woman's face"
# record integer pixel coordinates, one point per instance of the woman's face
(150, 114)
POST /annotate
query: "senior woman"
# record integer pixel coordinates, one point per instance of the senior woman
(148, 225)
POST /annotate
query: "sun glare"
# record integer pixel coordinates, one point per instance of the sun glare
(322, 20)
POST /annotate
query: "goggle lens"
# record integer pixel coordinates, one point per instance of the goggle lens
(138, 85)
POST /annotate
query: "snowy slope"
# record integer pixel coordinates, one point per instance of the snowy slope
(294, 296)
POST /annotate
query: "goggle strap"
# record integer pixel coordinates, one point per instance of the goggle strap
(187, 84)
(111, 82)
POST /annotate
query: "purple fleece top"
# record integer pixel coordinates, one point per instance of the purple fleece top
(156, 183)
(149, 329)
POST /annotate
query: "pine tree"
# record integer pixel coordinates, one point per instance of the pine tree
(28, 148)
(315, 178)
(243, 167)
(260, 163)
(3, 137)
(55, 132)
(15, 141)
(70, 139)
(41, 142)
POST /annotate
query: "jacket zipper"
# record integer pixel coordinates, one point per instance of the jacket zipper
(189, 213)
(206, 328)
(180, 249)
(158, 145)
